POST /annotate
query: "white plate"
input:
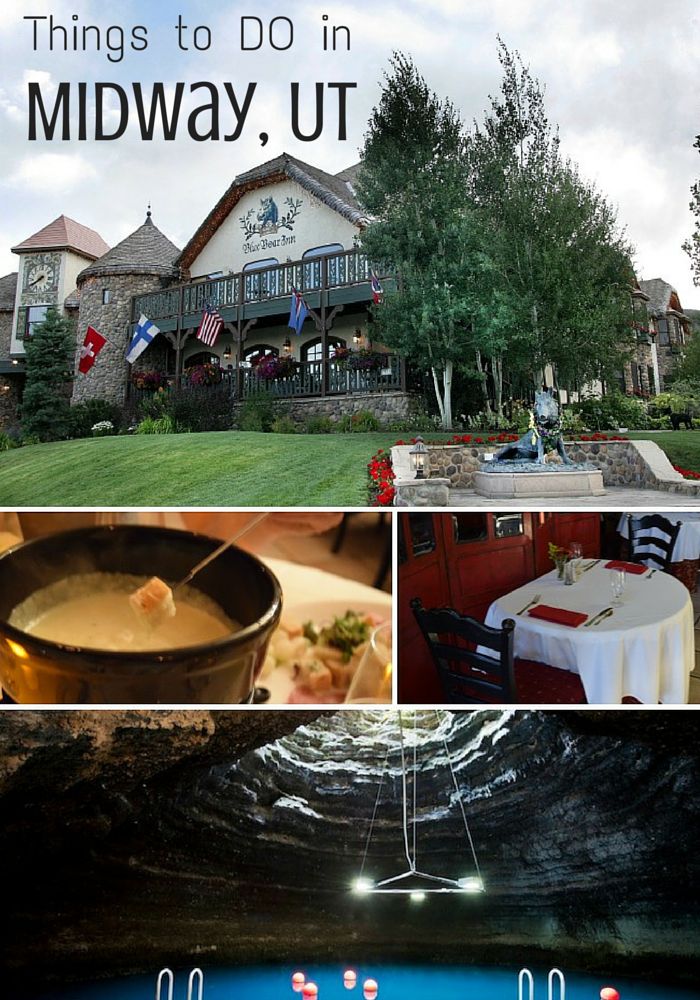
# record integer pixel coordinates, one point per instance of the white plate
(280, 681)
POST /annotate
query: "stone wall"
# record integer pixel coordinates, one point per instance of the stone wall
(385, 406)
(108, 377)
(640, 464)
(644, 360)
(10, 392)
(6, 316)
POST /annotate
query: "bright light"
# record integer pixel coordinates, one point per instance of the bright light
(417, 897)
(362, 886)
(471, 884)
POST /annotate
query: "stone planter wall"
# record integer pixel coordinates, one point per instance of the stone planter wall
(640, 464)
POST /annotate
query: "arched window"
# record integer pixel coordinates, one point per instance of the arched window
(312, 350)
(202, 358)
(258, 286)
(322, 251)
(257, 349)
(313, 271)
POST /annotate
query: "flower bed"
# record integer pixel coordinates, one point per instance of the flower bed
(687, 473)
(380, 477)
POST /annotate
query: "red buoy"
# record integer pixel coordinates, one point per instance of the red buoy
(609, 993)
(370, 988)
(298, 980)
(310, 990)
(349, 979)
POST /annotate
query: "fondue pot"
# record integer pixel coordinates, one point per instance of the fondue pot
(222, 671)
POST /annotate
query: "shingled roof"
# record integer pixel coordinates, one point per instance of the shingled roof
(330, 189)
(66, 234)
(663, 297)
(145, 251)
(8, 288)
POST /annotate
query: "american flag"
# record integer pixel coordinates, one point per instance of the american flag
(210, 327)
(377, 290)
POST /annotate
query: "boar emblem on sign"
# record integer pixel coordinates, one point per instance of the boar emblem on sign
(268, 218)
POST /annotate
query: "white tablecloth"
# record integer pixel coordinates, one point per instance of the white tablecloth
(688, 542)
(644, 650)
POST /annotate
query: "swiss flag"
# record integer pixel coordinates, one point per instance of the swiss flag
(92, 345)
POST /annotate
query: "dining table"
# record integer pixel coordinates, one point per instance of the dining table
(642, 649)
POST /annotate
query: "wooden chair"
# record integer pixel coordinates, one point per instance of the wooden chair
(645, 547)
(469, 677)
(466, 675)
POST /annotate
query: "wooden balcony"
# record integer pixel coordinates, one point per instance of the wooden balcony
(311, 379)
(328, 281)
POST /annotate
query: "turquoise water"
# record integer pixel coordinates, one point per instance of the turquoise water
(395, 983)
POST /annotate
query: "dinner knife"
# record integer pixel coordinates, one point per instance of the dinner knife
(594, 620)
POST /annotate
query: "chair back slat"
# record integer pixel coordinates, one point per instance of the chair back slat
(652, 538)
(456, 644)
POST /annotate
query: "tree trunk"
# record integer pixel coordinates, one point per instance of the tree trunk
(438, 394)
(497, 375)
(444, 395)
(484, 386)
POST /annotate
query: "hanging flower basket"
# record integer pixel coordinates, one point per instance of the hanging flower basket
(270, 366)
(207, 374)
(364, 360)
(150, 380)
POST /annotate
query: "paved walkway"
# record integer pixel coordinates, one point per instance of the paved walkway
(615, 498)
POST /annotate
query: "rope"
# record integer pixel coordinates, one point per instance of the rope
(459, 800)
(374, 813)
(404, 797)
(415, 781)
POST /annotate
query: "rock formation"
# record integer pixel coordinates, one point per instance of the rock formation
(137, 839)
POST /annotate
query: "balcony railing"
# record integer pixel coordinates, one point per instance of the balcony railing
(307, 381)
(314, 275)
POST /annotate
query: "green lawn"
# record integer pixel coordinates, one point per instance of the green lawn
(227, 469)
(209, 470)
(682, 447)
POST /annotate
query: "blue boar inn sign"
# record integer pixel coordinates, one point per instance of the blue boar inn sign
(268, 219)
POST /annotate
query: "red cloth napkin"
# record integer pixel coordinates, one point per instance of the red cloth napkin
(627, 566)
(560, 616)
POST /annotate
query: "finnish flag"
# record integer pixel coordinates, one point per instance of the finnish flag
(144, 333)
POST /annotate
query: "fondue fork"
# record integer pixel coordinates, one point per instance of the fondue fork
(155, 600)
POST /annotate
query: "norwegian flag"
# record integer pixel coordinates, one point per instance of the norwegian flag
(210, 327)
(377, 290)
(92, 345)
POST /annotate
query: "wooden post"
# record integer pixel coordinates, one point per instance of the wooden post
(324, 331)
(178, 340)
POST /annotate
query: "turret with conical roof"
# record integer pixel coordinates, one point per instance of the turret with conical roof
(143, 262)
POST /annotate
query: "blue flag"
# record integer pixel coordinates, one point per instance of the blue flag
(144, 333)
(298, 312)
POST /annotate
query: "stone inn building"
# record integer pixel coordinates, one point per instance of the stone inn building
(281, 226)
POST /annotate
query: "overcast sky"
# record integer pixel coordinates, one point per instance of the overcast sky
(621, 82)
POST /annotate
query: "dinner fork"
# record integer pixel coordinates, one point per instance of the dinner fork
(535, 600)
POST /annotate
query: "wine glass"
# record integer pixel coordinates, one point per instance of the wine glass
(372, 681)
(617, 583)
